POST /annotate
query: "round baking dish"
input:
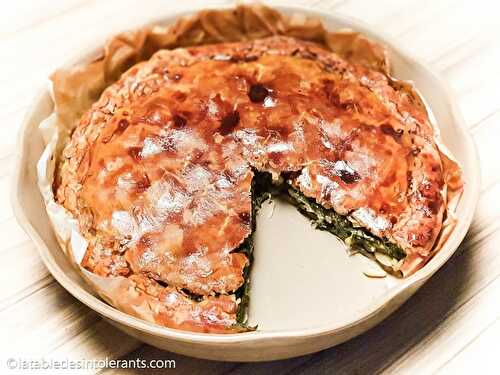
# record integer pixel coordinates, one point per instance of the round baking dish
(296, 316)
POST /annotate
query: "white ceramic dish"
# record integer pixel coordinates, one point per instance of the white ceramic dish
(320, 297)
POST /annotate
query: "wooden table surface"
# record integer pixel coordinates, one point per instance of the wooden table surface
(452, 325)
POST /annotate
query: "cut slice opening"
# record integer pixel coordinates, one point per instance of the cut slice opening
(357, 239)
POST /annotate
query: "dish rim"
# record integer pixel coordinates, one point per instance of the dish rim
(373, 309)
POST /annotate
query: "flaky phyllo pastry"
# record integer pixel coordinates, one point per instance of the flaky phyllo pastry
(162, 149)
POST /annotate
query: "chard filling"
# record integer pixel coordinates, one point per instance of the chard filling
(356, 238)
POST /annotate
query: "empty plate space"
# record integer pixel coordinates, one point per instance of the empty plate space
(303, 277)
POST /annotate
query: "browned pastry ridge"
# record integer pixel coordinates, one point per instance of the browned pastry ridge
(158, 172)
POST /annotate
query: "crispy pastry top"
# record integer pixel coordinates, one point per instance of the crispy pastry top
(158, 172)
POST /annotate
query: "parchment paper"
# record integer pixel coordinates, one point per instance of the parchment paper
(74, 89)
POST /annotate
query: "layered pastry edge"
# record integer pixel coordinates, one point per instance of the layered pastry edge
(215, 310)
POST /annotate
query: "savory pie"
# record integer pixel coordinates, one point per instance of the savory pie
(166, 170)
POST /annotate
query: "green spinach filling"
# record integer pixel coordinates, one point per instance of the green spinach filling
(328, 220)
(355, 237)
(262, 189)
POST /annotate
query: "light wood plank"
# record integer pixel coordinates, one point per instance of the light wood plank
(96, 341)
(455, 332)
(482, 353)
(458, 38)
(12, 234)
(486, 138)
(21, 14)
(52, 324)
(11, 122)
(29, 275)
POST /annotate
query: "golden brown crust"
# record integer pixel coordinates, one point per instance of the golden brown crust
(76, 88)
(158, 171)
(164, 156)
(143, 297)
